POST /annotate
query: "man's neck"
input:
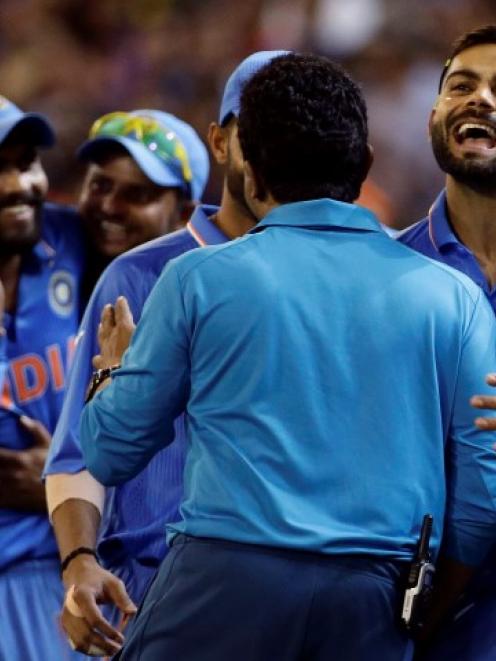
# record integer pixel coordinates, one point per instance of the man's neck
(10, 271)
(473, 217)
(232, 218)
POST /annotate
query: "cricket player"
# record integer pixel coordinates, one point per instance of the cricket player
(131, 521)
(41, 266)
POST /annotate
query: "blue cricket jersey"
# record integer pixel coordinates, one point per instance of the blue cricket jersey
(326, 372)
(433, 236)
(471, 631)
(135, 514)
(37, 347)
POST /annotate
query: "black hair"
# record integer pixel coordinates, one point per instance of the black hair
(303, 128)
(477, 37)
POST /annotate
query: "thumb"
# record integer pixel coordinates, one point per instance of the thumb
(41, 436)
(117, 592)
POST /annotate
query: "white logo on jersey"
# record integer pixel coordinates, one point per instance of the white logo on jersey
(61, 293)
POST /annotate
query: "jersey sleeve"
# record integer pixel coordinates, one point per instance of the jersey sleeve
(133, 418)
(470, 522)
(65, 453)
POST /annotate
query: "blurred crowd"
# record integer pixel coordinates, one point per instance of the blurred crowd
(77, 59)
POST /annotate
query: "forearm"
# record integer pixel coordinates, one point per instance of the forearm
(133, 418)
(88, 584)
(119, 437)
(61, 487)
(76, 524)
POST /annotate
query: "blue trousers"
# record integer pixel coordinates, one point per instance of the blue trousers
(31, 596)
(219, 601)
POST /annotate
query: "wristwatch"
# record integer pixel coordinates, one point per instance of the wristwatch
(99, 376)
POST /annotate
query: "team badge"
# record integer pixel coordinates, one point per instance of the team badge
(61, 293)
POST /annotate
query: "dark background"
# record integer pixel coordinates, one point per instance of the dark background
(77, 59)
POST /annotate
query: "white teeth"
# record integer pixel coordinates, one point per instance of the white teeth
(17, 208)
(462, 131)
(114, 229)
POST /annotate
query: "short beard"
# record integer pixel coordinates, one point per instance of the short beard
(236, 186)
(23, 244)
(476, 175)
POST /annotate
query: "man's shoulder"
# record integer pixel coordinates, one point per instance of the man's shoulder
(61, 224)
(453, 274)
(60, 217)
(135, 272)
(156, 253)
(418, 239)
(414, 234)
(209, 255)
(437, 273)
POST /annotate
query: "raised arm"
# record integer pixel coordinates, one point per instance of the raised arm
(132, 419)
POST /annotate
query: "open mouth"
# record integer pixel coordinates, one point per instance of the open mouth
(18, 211)
(476, 134)
(113, 231)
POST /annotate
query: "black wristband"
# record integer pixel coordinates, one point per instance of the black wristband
(73, 554)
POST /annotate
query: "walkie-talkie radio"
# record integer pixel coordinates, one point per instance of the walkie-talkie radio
(420, 579)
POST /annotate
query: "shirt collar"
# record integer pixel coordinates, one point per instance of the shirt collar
(202, 229)
(440, 231)
(43, 251)
(323, 214)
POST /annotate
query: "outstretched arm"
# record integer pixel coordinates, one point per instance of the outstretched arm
(133, 418)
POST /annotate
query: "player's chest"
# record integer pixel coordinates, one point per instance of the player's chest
(41, 331)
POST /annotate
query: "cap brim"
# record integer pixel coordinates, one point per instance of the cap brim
(155, 169)
(35, 129)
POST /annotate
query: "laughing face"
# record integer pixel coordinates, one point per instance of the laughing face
(121, 208)
(463, 122)
(23, 186)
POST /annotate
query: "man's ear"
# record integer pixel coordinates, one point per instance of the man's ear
(218, 140)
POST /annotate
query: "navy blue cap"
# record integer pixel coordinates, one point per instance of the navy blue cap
(37, 127)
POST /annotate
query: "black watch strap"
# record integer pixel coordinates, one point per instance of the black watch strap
(99, 377)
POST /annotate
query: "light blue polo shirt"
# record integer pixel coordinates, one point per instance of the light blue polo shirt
(325, 372)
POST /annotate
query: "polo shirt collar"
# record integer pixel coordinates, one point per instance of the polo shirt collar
(202, 229)
(454, 252)
(323, 214)
(441, 233)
